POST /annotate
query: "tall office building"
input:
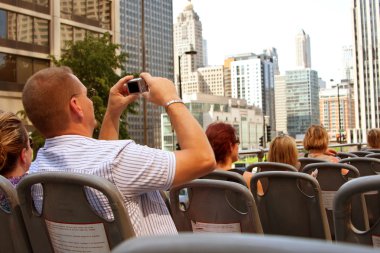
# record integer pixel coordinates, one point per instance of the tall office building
(252, 79)
(30, 31)
(157, 58)
(272, 55)
(303, 53)
(366, 65)
(188, 37)
(347, 63)
(302, 100)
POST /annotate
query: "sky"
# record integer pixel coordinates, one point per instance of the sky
(250, 26)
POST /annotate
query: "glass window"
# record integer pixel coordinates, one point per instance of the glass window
(92, 9)
(7, 68)
(79, 7)
(79, 34)
(66, 8)
(11, 30)
(66, 35)
(24, 28)
(3, 24)
(40, 64)
(105, 14)
(44, 3)
(24, 68)
(41, 32)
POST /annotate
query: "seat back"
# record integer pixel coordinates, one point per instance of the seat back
(331, 176)
(373, 155)
(226, 176)
(271, 166)
(343, 155)
(307, 160)
(291, 204)
(345, 231)
(226, 243)
(70, 212)
(368, 166)
(215, 206)
(361, 153)
(13, 237)
(373, 150)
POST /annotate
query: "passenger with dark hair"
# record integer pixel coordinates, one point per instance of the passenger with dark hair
(225, 144)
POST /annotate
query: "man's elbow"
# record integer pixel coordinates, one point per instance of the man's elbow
(209, 162)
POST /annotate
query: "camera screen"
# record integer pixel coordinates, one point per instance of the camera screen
(133, 87)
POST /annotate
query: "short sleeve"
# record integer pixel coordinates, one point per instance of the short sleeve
(139, 169)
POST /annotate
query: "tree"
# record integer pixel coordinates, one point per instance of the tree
(94, 61)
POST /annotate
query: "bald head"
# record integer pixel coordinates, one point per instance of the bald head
(46, 97)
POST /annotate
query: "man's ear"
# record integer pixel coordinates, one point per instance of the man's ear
(76, 108)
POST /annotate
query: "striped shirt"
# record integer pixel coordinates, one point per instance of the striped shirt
(137, 171)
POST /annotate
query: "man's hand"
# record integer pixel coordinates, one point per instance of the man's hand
(161, 90)
(118, 101)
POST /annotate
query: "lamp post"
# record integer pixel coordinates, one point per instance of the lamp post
(339, 122)
(191, 52)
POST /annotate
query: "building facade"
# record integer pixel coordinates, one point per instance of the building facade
(280, 103)
(336, 110)
(302, 101)
(150, 49)
(188, 37)
(366, 66)
(303, 53)
(252, 79)
(30, 31)
(247, 120)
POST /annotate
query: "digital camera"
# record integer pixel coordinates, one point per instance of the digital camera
(136, 85)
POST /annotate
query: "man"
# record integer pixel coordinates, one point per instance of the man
(56, 102)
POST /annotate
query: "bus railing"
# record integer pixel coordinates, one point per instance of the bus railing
(261, 152)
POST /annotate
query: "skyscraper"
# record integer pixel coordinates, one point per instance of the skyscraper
(366, 65)
(252, 79)
(303, 54)
(157, 59)
(188, 37)
(302, 100)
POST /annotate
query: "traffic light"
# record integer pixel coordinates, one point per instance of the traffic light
(268, 134)
(261, 142)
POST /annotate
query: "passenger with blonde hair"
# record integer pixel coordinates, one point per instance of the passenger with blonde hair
(373, 138)
(16, 151)
(316, 142)
(283, 149)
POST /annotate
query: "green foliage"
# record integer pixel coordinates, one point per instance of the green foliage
(94, 61)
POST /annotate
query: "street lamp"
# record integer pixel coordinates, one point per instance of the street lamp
(191, 52)
(339, 123)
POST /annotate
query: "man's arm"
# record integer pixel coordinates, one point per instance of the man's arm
(196, 157)
(118, 101)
